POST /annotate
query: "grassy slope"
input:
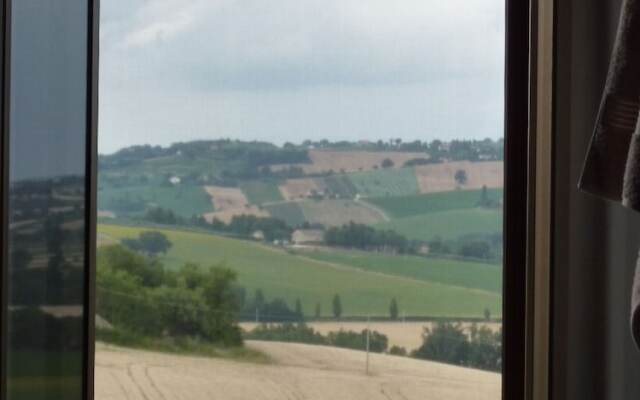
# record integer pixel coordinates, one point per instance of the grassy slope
(447, 224)
(185, 200)
(289, 276)
(406, 206)
(451, 272)
(290, 212)
(261, 192)
(385, 182)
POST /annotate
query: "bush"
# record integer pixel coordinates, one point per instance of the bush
(447, 342)
(287, 332)
(378, 342)
(398, 351)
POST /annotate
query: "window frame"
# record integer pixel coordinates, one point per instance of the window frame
(91, 158)
(517, 135)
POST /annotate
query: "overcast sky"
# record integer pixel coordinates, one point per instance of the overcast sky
(290, 70)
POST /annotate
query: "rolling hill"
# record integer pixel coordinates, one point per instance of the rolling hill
(424, 287)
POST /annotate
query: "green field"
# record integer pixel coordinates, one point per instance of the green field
(471, 275)
(184, 200)
(406, 206)
(363, 292)
(291, 213)
(385, 182)
(261, 192)
(447, 224)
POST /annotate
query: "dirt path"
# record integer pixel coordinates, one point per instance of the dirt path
(298, 372)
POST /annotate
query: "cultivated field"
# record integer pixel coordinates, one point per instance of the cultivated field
(441, 177)
(298, 371)
(340, 212)
(448, 224)
(295, 189)
(261, 192)
(407, 206)
(403, 334)
(229, 202)
(350, 161)
(385, 182)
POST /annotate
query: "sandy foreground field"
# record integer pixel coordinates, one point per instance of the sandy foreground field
(298, 371)
(407, 335)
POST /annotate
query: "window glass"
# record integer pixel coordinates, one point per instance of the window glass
(47, 199)
(300, 199)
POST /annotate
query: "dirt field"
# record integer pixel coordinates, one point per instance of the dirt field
(296, 189)
(407, 335)
(229, 202)
(441, 177)
(350, 161)
(298, 371)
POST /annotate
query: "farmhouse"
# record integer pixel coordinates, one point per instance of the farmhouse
(308, 236)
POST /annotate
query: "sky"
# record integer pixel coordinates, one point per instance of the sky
(291, 70)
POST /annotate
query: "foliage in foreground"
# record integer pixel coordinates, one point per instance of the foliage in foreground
(137, 294)
(449, 343)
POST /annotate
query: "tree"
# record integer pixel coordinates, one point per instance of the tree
(299, 311)
(337, 306)
(222, 306)
(445, 342)
(318, 310)
(387, 163)
(461, 177)
(393, 309)
(152, 243)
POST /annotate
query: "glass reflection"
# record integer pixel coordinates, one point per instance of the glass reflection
(47, 199)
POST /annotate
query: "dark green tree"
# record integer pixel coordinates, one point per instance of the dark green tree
(337, 306)
(393, 309)
(461, 177)
(152, 243)
(444, 342)
(387, 163)
(299, 311)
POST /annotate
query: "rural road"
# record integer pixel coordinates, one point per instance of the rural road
(299, 372)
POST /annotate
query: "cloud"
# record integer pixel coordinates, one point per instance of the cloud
(257, 44)
(258, 69)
